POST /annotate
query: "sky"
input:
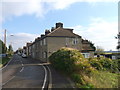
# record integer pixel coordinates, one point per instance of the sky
(94, 20)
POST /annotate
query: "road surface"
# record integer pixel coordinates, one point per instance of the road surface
(29, 73)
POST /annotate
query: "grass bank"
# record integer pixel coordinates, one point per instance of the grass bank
(5, 60)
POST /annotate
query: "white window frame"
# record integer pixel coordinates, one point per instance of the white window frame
(44, 55)
(41, 42)
(86, 55)
(66, 41)
(74, 41)
(44, 41)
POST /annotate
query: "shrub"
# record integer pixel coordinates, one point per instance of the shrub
(115, 66)
(65, 59)
(95, 63)
(70, 60)
(105, 62)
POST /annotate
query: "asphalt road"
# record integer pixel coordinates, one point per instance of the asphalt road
(29, 73)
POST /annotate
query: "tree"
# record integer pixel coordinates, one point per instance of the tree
(3, 48)
(118, 37)
(10, 49)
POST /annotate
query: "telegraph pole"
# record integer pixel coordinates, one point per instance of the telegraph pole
(5, 37)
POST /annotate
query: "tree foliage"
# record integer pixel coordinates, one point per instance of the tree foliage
(10, 49)
(3, 48)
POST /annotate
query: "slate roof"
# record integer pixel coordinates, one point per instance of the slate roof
(63, 32)
(89, 47)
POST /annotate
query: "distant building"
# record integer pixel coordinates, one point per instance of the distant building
(56, 38)
(28, 53)
(111, 54)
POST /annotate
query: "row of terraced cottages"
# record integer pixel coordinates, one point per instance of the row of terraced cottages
(56, 38)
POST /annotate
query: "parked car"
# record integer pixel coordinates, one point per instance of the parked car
(24, 55)
(3, 55)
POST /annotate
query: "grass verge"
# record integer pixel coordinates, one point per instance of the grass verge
(4, 60)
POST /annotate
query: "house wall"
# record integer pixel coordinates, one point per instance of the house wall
(88, 50)
(42, 49)
(55, 43)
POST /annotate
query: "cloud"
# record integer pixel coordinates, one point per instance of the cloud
(19, 40)
(100, 32)
(10, 8)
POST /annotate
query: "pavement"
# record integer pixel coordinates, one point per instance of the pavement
(29, 73)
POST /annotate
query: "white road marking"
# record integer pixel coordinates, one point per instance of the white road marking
(22, 69)
(50, 82)
(21, 62)
(8, 81)
(45, 79)
(22, 65)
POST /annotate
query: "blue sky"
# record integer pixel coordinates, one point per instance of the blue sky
(95, 20)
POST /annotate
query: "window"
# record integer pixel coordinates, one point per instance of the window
(41, 42)
(75, 41)
(44, 41)
(66, 41)
(45, 55)
(86, 55)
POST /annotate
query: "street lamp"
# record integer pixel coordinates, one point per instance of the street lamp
(11, 39)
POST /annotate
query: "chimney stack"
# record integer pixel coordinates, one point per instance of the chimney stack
(52, 29)
(47, 32)
(59, 24)
(42, 35)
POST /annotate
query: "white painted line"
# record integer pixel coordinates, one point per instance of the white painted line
(7, 64)
(22, 69)
(45, 79)
(50, 78)
(8, 81)
(22, 65)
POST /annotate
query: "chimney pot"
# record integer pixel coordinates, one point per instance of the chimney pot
(47, 32)
(59, 24)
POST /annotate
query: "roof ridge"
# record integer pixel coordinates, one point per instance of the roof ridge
(53, 30)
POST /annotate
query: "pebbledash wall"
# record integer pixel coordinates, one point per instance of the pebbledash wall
(55, 39)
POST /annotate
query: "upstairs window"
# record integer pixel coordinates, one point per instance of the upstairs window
(44, 41)
(66, 41)
(41, 42)
(75, 41)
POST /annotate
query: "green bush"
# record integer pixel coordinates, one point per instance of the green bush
(61, 60)
(70, 60)
(115, 66)
(105, 62)
(95, 63)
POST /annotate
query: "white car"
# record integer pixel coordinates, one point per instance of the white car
(24, 55)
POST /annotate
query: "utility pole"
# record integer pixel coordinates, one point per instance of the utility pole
(5, 37)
